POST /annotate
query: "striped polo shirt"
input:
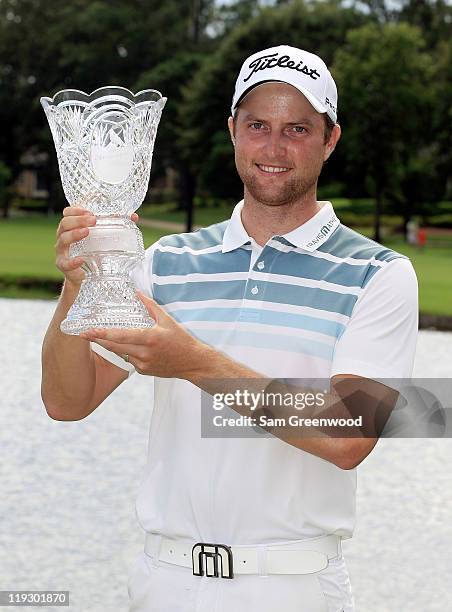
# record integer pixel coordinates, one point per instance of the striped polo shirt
(314, 302)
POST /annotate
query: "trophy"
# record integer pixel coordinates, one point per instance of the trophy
(104, 143)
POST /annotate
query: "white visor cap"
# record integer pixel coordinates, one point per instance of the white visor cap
(301, 69)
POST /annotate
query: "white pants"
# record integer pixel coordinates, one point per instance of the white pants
(171, 588)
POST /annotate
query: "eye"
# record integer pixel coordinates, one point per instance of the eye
(299, 129)
(256, 125)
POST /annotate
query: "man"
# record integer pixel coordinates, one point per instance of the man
(280, 291)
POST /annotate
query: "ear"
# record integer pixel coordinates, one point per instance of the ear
(331, 144)
(231, 129)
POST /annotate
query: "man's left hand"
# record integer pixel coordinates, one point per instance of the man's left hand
(166, 350)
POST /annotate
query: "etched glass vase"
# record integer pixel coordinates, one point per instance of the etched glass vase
(104, 143)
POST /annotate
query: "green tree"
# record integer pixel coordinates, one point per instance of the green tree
(226, 17)
(169, 78)
(426, 179)
(317, 27)
(443, 115)
(5, 178)
(383, 75)
(433, 17)
(46, 46)
(23, 62)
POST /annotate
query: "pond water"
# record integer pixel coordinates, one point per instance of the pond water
(67, 513)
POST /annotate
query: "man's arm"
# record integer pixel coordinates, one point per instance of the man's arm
(378, 343)
(217, 373)
(75, 380)
(169, 351)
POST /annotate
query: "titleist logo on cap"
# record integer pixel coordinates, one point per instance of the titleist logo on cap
(284, 61)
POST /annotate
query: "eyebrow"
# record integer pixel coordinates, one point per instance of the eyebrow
(305, 120)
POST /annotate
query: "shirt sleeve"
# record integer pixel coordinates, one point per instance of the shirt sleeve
(380, 338)
(141, 276)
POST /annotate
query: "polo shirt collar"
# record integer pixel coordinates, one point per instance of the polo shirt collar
(235, 234)
(308, 236)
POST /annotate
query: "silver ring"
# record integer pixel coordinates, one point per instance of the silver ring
(126, 358)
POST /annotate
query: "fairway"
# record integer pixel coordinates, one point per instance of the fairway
(434, 272)
(27, 246)
(27, 250)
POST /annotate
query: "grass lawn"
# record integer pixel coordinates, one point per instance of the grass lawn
(434, 272)
(27, 250)
(202, 216)
(351, 212)
(27, 246)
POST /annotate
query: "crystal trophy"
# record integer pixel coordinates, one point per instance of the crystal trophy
(104, 143)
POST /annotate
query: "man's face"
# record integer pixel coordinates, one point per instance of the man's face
(279, 144)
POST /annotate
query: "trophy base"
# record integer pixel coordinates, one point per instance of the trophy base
(108, 302)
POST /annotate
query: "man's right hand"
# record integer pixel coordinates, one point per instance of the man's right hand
(75, 380)
(74, 226)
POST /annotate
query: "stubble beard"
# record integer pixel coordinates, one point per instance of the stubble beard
(293, 189)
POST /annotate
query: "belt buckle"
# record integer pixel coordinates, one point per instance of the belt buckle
(208, 557)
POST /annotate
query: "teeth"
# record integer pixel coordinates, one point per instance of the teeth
(273, 169)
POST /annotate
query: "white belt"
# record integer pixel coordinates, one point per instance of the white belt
(296, 557)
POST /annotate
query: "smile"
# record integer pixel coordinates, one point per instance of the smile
(272, 169)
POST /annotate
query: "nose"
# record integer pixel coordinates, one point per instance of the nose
(275, 144)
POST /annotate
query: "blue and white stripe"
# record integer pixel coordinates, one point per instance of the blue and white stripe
(299, 301)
